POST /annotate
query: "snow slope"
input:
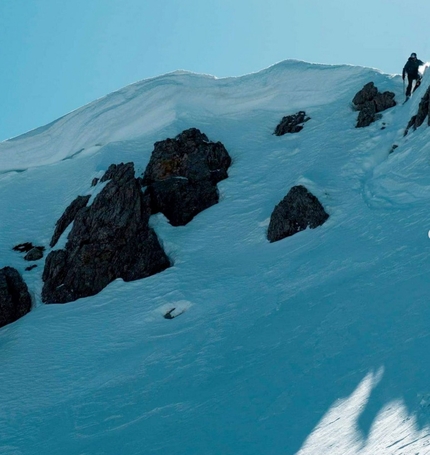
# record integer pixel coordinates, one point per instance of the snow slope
(317, 344)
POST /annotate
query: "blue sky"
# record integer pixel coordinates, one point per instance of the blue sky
(58, 55)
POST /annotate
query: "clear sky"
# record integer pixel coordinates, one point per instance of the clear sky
(57, 55)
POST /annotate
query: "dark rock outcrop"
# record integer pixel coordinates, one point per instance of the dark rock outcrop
(291, 123)
(110, 239)
(67, 217)
(384, 101)
(393, 147)
(180, 200)
(423, 113)
(297, 211)
(370, 102)
(34, 254)
(367, 115)
(23, 247)
(182, 175)
(15, 300)
(367, 93)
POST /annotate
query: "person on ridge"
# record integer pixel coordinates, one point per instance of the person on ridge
(411, 69)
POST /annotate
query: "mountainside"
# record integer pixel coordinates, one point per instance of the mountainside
(316, 343)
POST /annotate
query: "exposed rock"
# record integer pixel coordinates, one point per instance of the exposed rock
(31, 267)
(291, 123)
(393, 148)
(370, 102)
(297, 211)
(15, 300)
(411, 123)
(180, 200)
(182, 175)
(170, 315)
(95, 181)
(190, 155)
(423, 112)
(367, 115)
(67, 217)
(384, 101)
(23, 247)
(110, 239)
(367, 93)
(119, 173)
(34, 254)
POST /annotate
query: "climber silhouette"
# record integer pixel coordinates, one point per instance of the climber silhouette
(411, 69)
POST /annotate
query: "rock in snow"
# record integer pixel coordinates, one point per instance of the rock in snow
(183, 173)
(423, 112)
(110, 239)
(370, 102)
(291, 123)
(68, 216)
(15, 300)
(298, 210)
(34, 254)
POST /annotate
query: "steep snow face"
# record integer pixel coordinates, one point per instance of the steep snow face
(314, 344)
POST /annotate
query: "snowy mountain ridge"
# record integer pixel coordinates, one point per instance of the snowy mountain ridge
(155, 103)
(313, 344)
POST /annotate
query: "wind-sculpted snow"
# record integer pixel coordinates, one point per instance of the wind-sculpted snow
(401, 180)
(152, 105)
(315, 344)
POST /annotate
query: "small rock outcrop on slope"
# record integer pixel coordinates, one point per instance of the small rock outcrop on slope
(110, 239)
(35, 254)
(291, 123)
(423, 112)
(298, 210)
(182, 175)
(15, 300)
(369, 101)
(23, 247)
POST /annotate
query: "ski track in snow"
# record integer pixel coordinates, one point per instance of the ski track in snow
(314, 344)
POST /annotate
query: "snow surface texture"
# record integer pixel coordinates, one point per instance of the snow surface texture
(317, 344)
